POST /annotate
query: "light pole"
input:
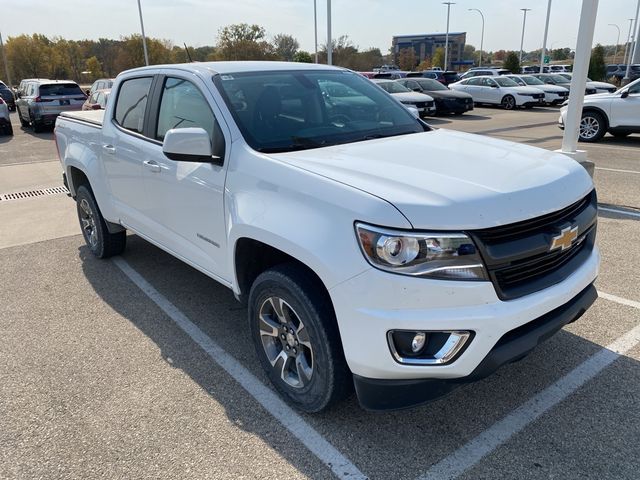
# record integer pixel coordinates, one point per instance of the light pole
(481, 35)
(524, 22)
(329, 40)
(615, 55)
(315, 28)
(446, 38)
(544, 40)
(6, 65)
(634, 48)
(144, 39)
(626, 46)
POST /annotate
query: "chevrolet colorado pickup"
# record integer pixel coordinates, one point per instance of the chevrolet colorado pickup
(372, 250)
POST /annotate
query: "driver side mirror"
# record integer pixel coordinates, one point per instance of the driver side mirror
(624, 94)
(189, 145)
(417, 89)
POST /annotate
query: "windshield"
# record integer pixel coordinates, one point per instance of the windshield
(505, 82)
(432, 85)
(529, 80)
(392, 87)
(281, 111)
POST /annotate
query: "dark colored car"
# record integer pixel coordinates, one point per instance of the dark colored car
(444, 78)
(557, 79)
(446, 100)
(7, 95)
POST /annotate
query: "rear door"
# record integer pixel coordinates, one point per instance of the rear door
(124, 151)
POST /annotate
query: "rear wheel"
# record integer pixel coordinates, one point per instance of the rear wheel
(9, 129)
(94, 228)
(296, 338)
(592, 127)
(508, 102)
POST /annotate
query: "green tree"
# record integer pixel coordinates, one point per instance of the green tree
(438, 58)
(407, 59)
(285, 47)
(302, 57)
(512, 63)
(597, 68)
(243, 42)
(93, 65)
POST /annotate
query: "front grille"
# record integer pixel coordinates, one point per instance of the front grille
(538, 95)
(518, 258)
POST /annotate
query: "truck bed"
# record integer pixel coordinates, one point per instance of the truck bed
(89, 116)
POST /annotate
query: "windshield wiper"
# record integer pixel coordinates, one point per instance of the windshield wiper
(297, 143)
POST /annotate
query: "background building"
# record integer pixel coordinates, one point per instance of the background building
(425, 45)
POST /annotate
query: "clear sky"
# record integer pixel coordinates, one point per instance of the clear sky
(369, 23)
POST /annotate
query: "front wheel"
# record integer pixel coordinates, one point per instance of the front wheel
(296, 338)
(508, 102)
(100, 241)
(592, 127)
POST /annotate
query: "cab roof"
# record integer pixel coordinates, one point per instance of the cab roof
(212, 68)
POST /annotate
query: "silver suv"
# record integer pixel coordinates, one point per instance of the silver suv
(41, 101)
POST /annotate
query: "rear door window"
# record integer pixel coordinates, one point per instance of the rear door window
(60, 89)
(132, 103)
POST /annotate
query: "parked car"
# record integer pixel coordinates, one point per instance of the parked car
(390, 75)
(553, 94)
(533, 69)
(372, 250)
(101, 84)
(500, 91)
(617, 113)
(477, 72)
(560, 68)
(97, 100)
(561, 81)
(443, 77)
(5, 119)
(423, 103)
(6, 93)
(446, 100)
(24, 82)
(600, 87)
(43, 100)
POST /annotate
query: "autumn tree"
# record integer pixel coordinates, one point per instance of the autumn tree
(243, 42)
(424, 65)
(438, 58)
(93, 66)
(407, 59)
(285, 47)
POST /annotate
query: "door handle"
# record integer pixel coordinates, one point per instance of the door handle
(109, 149)
(151, 165)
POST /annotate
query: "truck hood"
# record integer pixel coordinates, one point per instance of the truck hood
(450, 180)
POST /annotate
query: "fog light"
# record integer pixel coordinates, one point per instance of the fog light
(418, 342)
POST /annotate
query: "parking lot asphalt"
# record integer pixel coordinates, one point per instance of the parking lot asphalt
(102, 379)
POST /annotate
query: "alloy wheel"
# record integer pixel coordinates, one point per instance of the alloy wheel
(88, 222)
(286, 342)
(589, 127)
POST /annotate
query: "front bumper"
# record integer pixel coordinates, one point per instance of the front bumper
(376, 394)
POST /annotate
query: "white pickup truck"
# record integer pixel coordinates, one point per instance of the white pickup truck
(372, 250)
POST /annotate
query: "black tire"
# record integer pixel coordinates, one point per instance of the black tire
(457, 114)
(37, 127)
(508, 102)
(330, 379)
(593, 127)
(9, 129)
(103, 244)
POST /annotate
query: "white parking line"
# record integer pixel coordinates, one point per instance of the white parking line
(499, 433)
(616, 170)
(620, 212)
(307, 435)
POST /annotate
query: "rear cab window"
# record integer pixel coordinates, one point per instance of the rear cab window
(131, 103)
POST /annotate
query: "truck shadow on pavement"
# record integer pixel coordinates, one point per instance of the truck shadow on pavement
(399, 445)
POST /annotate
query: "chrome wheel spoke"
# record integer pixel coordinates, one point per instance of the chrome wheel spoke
(303, 337)
(282, 357)
(303, 369)
(278, 306)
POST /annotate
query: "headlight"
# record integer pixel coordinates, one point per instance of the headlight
(451, 256)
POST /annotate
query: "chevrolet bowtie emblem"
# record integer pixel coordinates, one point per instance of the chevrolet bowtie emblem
(565, 239)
